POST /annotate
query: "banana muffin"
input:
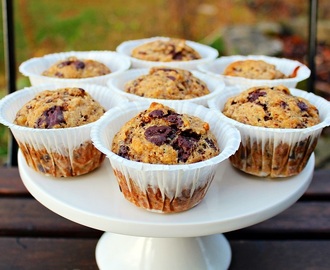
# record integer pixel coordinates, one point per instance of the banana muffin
(72, 68)
(275, 127)
(272, 107)
(167, 83)
(57, 110)
(159, 135)
(253, 69)
(173, 49)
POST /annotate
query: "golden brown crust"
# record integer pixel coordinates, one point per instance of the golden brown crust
(82, 160)
(264, 160)
(272, 107)
(152, 199)
(74, 68)
(167, 83)
(61, 108)
(165, 51)
(253, 69)
(159, 135)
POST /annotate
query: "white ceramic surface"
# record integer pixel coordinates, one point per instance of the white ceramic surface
(181, 241)
(94, 200)
(123, 252)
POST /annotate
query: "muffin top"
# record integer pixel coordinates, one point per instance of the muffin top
(73, 68)
(165, 51)
(272, 107)
(61, 108)
(159, 135)
(253, 69)
(167, 83)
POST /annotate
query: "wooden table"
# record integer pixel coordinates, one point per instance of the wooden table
(33, 237)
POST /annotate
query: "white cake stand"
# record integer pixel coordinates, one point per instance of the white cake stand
(137, 239)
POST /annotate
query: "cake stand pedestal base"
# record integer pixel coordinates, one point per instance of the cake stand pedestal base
(116, 251)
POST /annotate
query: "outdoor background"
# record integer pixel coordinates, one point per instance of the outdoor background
(272, 27)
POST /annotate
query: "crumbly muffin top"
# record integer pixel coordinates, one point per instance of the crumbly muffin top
(273, 107)
(167, 83)
(159, 135)
(173, 49)
(254, 69)
(61, 108)
(74, 68)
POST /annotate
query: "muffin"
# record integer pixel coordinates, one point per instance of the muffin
(175, 52)
(164, 158)
(72, 68)
(92, 67)
(52, 126)
(279, 128)
(159, 135)
(271, 107)
(61, 108)
(167, 83)
(256, 70)
(173, 49)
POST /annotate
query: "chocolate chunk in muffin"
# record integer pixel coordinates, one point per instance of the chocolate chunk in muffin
(173, 49)
(61, 108)
(159, 135)
(167, 83)
(73, 67)
(254, 69)
(272, 107)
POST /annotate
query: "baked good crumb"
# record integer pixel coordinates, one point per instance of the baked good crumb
(266, 152)
(57, 110)
(272, 107)
(159, 135)
(72, 68)
(65, 107)
(173, 49)
(254, 69)
(167, 83)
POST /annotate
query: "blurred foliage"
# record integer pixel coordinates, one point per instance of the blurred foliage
(43, 27)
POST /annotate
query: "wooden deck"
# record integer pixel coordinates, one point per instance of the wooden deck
(33, 237)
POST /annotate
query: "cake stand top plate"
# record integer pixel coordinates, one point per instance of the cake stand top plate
(235, 202)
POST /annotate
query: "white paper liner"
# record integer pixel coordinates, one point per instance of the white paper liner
(286, 66)
(62, 141)
(207, 53)
(117, 84)
(34, 67)
(276, 136)
(171, 180)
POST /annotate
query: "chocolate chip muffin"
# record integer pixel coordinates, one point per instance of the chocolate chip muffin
(169, 50)
(151, 152)
(57, 110)
(72, 68)
(277, 131)
(159, 135)
(272, 107)
(167, 83)
(254, 69)
(66, 107)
